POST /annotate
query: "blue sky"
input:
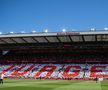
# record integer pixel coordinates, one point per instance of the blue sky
(54, 15)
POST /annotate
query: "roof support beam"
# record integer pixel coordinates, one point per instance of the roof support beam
(96, 38)
(24, 40)
(70, 38)
(3, 40)
(58, 39)
(46, 39)
(13, 40)
(83, 38)
(35, 39)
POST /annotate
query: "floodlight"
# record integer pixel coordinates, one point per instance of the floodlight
(11, 32)
(46, 30)
(63, 30)
(92, 29)
(22, 31)
(0, 32)
(106, 29)
(33, 31)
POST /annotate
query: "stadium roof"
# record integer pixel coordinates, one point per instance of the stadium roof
(54, 37)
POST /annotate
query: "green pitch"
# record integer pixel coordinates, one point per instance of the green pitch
(31, 84)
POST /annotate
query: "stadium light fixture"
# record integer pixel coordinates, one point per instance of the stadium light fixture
(46, 30)
(22, 31)
(0, 33)
(63, 30)
(33, 31)
(106, 29)
(92, 29)
(11, 32)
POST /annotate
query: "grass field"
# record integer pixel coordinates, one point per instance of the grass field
(31, 84)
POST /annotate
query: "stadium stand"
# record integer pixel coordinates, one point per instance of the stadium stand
(81, 55)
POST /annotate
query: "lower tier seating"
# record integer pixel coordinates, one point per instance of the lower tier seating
(55, 70)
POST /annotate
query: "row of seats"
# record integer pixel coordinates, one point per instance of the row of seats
(21, 57)
(55, 70)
